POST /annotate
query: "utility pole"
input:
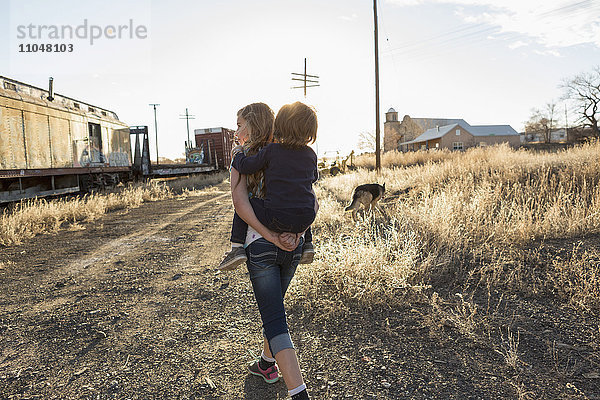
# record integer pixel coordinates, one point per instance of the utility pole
(306, 82)
(187, 118)
(155, 129)
(377, 133)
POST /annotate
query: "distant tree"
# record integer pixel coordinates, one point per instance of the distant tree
(542, 121)
(584, 91)
(366, 141)
(166, 160)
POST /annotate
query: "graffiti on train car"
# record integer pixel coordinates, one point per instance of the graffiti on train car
(118, 159)
(196, 156)
(92, 157)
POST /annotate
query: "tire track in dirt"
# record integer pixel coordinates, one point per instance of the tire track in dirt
(129, 243)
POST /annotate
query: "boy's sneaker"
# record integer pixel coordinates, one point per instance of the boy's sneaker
(270, 375)
(308, 253)
(233, 259)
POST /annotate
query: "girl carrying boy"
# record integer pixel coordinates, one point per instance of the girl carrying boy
(288, 205)
(255, 130)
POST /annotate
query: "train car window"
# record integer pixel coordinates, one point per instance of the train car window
(103, 113)
(10, 86)
(91, 109)
(76, 105)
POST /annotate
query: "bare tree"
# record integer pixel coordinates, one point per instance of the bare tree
(542, 121)
(584, 91)
(366, 141)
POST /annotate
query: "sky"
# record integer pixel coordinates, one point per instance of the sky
(486, 61)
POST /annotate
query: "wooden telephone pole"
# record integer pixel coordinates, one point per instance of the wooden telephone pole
(306, 82)
(155, 130)
(377, 132)
(187, 118)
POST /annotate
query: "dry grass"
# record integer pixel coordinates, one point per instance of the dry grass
(196, 182)
(578, 278)
(395, 158)
(31, 217)
(509, 349)
(465, 220)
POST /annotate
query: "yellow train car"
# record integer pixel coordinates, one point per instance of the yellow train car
(52, 144)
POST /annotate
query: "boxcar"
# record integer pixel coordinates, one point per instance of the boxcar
(216, 144)
(53, 144)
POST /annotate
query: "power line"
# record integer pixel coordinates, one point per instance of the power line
(566, 7)
(450, 40)
(473, 32)
(432, 38)
(387, 41)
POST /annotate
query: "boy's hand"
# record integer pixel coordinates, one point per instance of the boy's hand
(237, 149)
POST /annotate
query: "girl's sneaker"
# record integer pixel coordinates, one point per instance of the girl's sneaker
(270, 375)
(233, 259)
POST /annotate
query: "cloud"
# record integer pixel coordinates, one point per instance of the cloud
(348, 18)
(407, 2)
(550, 23)
(517, 44)
(548, 52)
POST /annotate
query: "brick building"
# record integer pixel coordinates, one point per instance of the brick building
(454, 134)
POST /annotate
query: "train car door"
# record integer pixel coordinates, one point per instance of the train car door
(96, 154)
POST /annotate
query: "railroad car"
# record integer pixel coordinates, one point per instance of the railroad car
(218, 141)
(53, 144)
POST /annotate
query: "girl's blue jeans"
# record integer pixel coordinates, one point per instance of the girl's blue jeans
(271, 271)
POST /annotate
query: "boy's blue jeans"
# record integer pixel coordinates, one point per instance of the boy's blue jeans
(271, 271)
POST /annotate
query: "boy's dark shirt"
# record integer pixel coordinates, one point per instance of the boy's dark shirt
(289, 174)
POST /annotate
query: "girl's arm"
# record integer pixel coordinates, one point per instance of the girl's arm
(239, 193)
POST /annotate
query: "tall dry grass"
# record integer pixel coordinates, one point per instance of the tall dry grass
(395, 158)
(197, 182)
(31, 217)
(466, 219)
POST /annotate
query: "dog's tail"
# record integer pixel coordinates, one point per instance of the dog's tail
(354, 205)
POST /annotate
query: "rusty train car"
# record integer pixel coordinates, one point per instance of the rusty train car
(218, 141)
(51, 144)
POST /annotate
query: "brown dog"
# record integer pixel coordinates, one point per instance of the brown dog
(368, 195)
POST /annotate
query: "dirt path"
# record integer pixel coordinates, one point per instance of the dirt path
(130, 307)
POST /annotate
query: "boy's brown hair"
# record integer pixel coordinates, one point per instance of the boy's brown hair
(296, 125)
(259, 118)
